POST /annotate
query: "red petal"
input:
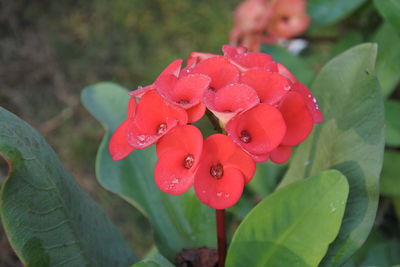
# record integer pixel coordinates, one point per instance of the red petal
(281, 154)
(260, 158)
(141, 91)
(131, 107)
(196, 113)
(232, 51)
(310, 100)
(119, 147)
(196, 57)
(187, 138)
(220, 70)
(218, 193)
(154, 118)
(173, 68)
(229, 100)
(270, 87)
(186, 91)
(285, 72)
(258, 130)
(220, 148)
(298, 119)
(254, 60)
(170, 174)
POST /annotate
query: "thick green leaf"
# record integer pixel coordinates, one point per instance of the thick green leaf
(392, 119)
(351, 140)
(156, 260)
(388, 60)
(390, 177)
(49, 220)
(295, 64)
(323, 12)
(178, 221)
(293, 226)
(390, 10)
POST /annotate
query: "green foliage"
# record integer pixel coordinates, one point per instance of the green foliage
(388, 60)
(49, 220)
(378, 250)
(350, 140)
(392, 119)
(390, 10)
(323, 12)
(155, 260)
(178, 221)
(293, 226)
(390, 177)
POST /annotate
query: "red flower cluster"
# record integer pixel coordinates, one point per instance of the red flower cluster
(261, 106)
(280, 19)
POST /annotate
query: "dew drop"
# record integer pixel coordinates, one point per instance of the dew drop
(309, 96)
(287, 87)
(227, 195)
(162, 128)
(314, 100)
(219, 194)
(141, 138)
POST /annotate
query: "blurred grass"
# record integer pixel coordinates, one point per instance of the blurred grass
(50, 50)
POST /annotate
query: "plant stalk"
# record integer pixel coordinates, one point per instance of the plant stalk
(221, 236)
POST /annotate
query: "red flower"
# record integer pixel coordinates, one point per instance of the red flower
(270, 87)
(281, 154)
(230, 100)
(258, 130)
(119, 147)
(178, 157)
(260, 104)
(154, 118)
(185, 92)
(220, 70)
(310, 100)
(223, 170)
(298, 119)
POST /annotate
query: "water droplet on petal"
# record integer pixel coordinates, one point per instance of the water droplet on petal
(309, 96)
(287, 87)
(227, 195)
(162, 128)
(314, 100)
(219, 194)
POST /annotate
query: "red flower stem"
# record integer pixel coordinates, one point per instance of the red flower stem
(221, 235)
